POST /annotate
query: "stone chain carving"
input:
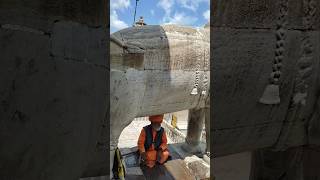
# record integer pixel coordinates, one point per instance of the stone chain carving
(199, 60)
(304, 72)
(271, 92)
(206, 67)
(198, 66)
(280, 36)
(305, 61)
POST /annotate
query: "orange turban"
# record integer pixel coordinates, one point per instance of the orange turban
(156, 118)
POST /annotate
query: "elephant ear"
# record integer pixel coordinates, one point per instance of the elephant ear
(116, 40)
(135, 48)
(126, 54)
(134, 56)
(129, 46)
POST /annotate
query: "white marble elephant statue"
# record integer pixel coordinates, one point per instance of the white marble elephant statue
(156, 70)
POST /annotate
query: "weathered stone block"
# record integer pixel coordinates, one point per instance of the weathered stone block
(39, 14)
(45, 112)
(79, 43)
(198, 167)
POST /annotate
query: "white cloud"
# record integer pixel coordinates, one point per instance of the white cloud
(119, 4)
(182, 19)
(166, 6)
(206, 15)
(152, 12)
(116, 23)
(191, 4)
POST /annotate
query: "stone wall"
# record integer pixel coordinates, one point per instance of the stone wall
(255, 43)
(53, 87)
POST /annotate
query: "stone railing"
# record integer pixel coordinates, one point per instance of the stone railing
(174, 134)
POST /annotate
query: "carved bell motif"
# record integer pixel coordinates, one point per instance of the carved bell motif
(270, 95)
(194, 91)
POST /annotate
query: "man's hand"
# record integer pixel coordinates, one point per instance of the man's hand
(159, 154)
(143, 156)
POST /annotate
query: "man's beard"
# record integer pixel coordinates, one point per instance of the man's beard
(157, 129)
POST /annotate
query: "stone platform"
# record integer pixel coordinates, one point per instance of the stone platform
(177, 167)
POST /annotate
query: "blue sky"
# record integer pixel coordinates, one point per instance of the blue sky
(194, 13)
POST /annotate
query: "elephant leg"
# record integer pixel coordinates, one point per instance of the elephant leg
(116, 127)
(194, 131)
(300, 163)
(310, 163)
(268, 165)
(112, 153)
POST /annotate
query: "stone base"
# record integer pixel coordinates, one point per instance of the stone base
(179, 170)
(198, 167)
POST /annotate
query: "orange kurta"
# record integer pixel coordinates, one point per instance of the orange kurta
(151, 153)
